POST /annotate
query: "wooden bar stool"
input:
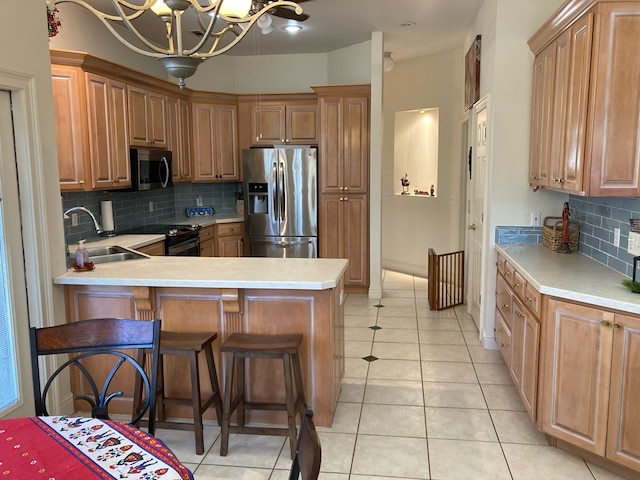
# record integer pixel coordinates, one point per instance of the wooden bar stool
(189, 344)
(240, 346)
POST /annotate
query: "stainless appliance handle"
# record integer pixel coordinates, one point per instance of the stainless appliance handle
(274, 190)
(281, 242)
(283, 193)
(164, 163)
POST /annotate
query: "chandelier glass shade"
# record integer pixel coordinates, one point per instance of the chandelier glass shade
(223, 23)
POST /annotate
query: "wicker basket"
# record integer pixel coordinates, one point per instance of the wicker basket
(552, 233)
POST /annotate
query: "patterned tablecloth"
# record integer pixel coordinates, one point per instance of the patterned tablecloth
(76, 448)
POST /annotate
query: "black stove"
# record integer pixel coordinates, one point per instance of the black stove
(179, 239)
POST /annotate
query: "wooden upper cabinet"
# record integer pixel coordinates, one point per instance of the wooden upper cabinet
(596, 100)
(69, 106)
(107, 115)
(179, 138)
(276, 123)
(215, 142)
(344, 145)
(148, 119)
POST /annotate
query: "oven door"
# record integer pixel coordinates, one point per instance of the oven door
(188, 248)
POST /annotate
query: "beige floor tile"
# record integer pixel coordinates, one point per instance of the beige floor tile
(337, 451)
(358, 334)
(394, 370)
(444, 323)
(444, 353)
(460, 395)
(398, 302)
(345, 419)
(355, 368)
(441, 337)
(468, 325)
(466, 460)
(352, 390)
(360, 299)
(405, 323)
(460, 424)
(360, 310)
(394, 392)
(407, 311)
(533, 462)
(363, 321)
(426, 312)
(493, 373)
(502, 397)
(481, 355)
(326, 476)
(388, 292)
(601, 474)
(256, 451)
(221, 472)
(183, 443)
(396, 351)
(516, 427)
(396, 335)
(400, 420)
(472, 338)
(448, 372)
(373, 456)
(357, 349)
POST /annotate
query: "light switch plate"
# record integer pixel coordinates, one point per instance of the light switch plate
(535, 219)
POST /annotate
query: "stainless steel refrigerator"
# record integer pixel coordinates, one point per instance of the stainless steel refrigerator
(281, 202)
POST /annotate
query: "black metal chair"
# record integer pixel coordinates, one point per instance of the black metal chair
(306, 461)
(100, 343)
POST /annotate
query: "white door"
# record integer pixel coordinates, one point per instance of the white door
(475, 210)
(16, 395)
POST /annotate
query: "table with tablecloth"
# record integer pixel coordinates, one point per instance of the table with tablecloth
(78, 448)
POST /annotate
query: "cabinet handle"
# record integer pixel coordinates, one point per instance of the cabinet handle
(81, 182)
(504, 305)
(346, 188)
(605, 323)
(503, 345)
(528, 299)
(520, 314)
(507, 274)
(615, 325)
(516, 285)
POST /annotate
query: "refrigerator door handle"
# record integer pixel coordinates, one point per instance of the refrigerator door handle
(282, 194)
(274, 189)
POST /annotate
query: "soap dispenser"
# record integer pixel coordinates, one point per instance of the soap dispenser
(82, 255)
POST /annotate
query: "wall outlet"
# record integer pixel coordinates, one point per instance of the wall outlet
(150, 206)
(535, 219)
(74, 219)
(452, 199)
(616, 237)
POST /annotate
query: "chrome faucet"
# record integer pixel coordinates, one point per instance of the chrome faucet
(86, 210)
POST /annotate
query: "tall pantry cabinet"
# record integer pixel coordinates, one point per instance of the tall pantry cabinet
(344, 179)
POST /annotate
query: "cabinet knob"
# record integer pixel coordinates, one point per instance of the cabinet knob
(520, 314)
(503, 345)
(471, 227)
(615, 325)
(516, 285)
(528, 299)
(605, 323)
(504, 305)
(346, 188)
(507, 274)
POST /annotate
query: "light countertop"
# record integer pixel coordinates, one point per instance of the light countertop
(214, 272)
(571, 276)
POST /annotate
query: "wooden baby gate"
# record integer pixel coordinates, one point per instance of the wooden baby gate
(446, 279)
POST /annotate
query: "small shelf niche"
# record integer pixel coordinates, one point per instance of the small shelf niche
(416, 152)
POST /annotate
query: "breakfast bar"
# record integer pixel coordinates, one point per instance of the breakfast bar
(228, 295)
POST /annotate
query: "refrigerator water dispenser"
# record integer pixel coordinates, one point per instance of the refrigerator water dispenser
(258, 198)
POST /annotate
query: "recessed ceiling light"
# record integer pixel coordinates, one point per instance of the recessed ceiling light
(292, 28)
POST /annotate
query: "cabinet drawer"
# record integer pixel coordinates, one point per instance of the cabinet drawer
(508, 272)
(504, 299)
(532, 300)
(503, 337)
(206, 233)
(500, 263)
(518, 283)
(225, 229)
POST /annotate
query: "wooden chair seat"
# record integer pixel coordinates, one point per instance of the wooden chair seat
(239, 346)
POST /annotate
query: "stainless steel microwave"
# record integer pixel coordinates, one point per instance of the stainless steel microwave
(150, 169)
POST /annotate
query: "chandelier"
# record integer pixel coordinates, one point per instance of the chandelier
(223, 24)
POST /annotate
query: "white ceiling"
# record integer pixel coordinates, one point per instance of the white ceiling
(436, 26)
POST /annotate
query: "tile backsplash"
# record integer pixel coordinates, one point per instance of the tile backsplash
(598, 218)
(131, 209)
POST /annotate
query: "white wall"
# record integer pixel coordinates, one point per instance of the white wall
(506, 75)
(412, 225)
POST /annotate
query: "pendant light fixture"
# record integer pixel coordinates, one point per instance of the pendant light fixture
(223, 23)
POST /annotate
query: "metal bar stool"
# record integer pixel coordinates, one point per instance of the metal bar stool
(189, 344)
(240, 346)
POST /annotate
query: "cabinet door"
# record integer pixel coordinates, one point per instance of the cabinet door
(227, 158)
(504, 300)
(541, 116)
(154, 249)
(529, 345)
(615, 123)
(302, 124)
(623, 442)
(71, 134)
(268, 124)
(231, 246)
(577, 375)
(203, 147)
(503, 338)
(331, 146)
(355, 160)
(557, 132)
(119, 131)
(178, 138)
(148, 118)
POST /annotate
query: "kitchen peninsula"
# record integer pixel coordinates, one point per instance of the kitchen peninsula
(227, 295)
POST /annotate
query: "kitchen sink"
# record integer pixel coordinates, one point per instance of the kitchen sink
(109, 254)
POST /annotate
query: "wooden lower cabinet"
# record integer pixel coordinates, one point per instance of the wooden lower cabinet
(318, 315)
(591, 381)
(229, 239)
(207, 241)
(154, 249)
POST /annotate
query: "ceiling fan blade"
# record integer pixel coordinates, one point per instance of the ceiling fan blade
(289, 14)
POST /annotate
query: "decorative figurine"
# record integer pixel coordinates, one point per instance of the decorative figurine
(565, 247)
(405, 184)
(432, 191)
